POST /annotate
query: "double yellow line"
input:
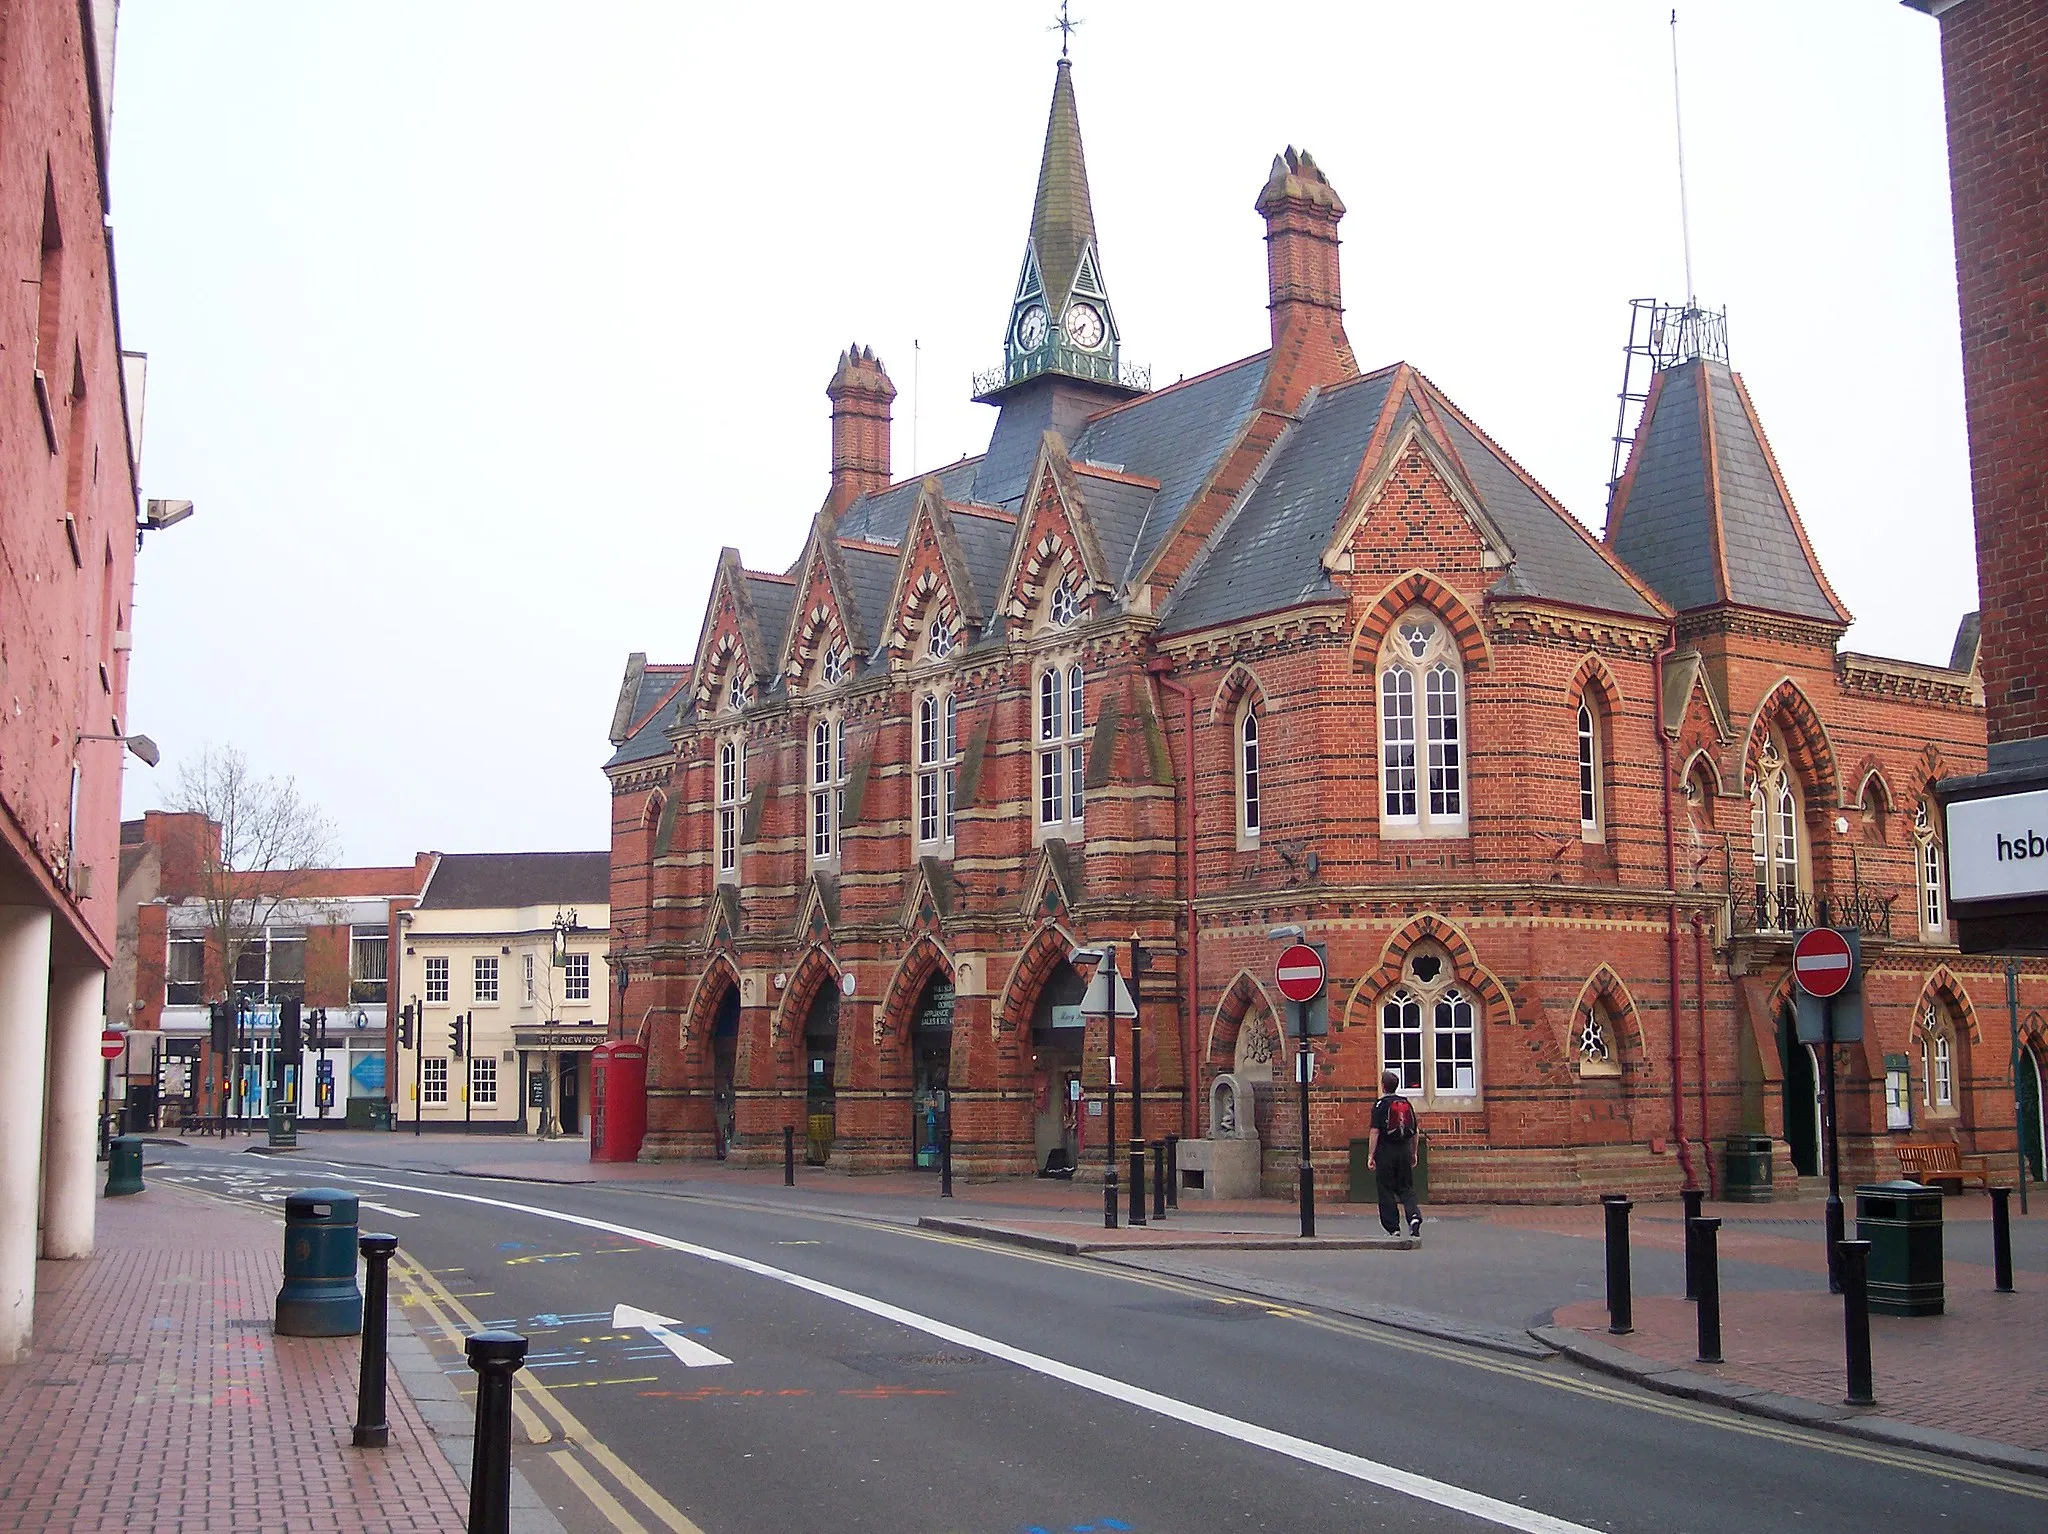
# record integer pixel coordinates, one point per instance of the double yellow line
(535, 1407)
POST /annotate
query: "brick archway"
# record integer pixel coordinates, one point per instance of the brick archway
(892, 1012)
(1418, 588)
(1045, 952)
(1945, 986)
(1787, 710)
(1428, 927)
(817, 967)
(1239, 682)
(1243, 998)
(1604, 987)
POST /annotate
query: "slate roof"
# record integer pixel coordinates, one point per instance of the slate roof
(651, 739)
(1062, 218)
(1175, 436)
(884, 516)
(467, 881)
(773, 600)
(1268, 554)
(871, 575)
(1116, 507)
(1700, 515)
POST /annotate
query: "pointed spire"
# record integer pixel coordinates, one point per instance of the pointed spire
(1062, 218)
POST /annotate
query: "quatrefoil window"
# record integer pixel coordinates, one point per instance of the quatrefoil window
(1416, 636)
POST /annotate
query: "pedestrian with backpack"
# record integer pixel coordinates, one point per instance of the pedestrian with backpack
(1393, 1156)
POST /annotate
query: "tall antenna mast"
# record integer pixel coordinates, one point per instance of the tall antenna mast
(916, 362)
(1678, 121)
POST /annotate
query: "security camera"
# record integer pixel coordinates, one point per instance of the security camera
(158, 515)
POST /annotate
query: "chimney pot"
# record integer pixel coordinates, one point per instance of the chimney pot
(861, 394)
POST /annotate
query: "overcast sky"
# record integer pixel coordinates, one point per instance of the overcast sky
(476, 329)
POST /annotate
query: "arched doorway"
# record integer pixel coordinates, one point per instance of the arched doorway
(931, 1055)
(2033, 1133)
(1802, 1099)
(821, 1057)
(725, 1048)
(1057, 1032)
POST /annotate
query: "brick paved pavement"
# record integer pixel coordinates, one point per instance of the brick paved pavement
(156, 1400)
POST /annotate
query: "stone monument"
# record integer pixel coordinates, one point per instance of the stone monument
(1225, 1164)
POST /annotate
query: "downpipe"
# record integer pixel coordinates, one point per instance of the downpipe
(1673, 999)
(1160, 670)
(1699, 1007)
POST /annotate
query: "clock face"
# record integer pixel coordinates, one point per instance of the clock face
(1084, 326)
(1031, 328)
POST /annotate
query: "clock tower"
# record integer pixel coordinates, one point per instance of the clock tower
(1061, 323)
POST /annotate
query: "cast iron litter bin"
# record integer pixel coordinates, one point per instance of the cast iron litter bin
(124, 1165)
(319, 1297)
(1749, 1170)
(1902, 1223)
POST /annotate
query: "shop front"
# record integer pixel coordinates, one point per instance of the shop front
(931, 1045)
(821, 1058)
(1057, 1033)
(554, 1062)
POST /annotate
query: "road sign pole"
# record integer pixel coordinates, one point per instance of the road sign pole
(1137, 1215)
(1834, 1222)
(1109, 1209)
(1308, 1166)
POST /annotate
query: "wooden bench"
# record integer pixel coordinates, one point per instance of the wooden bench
(1941, 1162)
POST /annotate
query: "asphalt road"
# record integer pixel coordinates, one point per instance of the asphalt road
(882, 1378)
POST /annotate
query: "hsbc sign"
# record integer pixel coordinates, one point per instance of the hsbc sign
(1998, 847)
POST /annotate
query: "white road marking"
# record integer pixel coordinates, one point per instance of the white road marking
(402, 1214)
(1443, 1494)
(692, 1354)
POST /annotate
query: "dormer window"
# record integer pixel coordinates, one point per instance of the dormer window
(1065, 607)
(736, 692)
(833, 669)
(938, 642)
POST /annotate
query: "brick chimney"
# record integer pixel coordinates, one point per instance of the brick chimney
(1305, 296)
(860, 392)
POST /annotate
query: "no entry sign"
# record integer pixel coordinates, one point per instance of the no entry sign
(1822, 963)
(112, 1042)
(1299, 974)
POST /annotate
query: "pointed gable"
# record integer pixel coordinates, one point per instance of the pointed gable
(1702, 513)
(1055, 536)
(826, 610)
(734, 632)
(932, 582)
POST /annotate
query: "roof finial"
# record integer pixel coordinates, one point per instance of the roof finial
(1064, 27)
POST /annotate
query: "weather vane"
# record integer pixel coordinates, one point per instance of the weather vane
(1064, 27)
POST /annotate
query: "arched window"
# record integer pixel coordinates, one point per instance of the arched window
(1248, 775)
(1422, 751)
(732, 790)
(1442, 1060)
(1927, 857)
(828, 786)
(1937, 1061)
(938, 755)
(1062, 748)
(1592, 812)
(1774, 844)
(1595, 1042)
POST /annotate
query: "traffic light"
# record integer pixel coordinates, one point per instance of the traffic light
(318, 1018)
(290, 1016)
(405, 1026)
(221, 1020)
(456, 1025)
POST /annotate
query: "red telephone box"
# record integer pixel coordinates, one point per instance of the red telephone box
(618, 1100)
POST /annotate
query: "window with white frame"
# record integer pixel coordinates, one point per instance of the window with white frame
(1937, 1061)
(1062, 746)
(1927, 855)
(732, 789)
(483, 977)
(833, 668)
(1429, 1033)
(936, 747)
(828, 786)
(483, 1080)
(434, 1080)
(736, 690)
(949, 752)
(185, 970)
(437, 980)
(1774, 842)
(938, 640)
(526, 963)
(1422, 729)
(1592, 808)
(576, 977)
(369, 964)
(1063, 607)
(272, 965)
(1248, 775)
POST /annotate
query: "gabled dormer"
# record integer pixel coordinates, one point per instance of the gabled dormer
(1056, 574)
(933, 606)
(823, 645)
(734, 659)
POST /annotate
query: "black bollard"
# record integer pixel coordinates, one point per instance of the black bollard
(946, 1158)
(1695, 1202)
(1621, 1309)
(2001, 1241)
(1173, 1171)
(1707, 1236)
(1137, 1184)
(1158, 1179)
(789, 1155)
(372, 1431)
(495, 1356)
(1854, 1265)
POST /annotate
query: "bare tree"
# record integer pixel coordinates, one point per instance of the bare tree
(270, 840)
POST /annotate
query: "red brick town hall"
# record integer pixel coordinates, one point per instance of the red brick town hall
(1294, 641)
